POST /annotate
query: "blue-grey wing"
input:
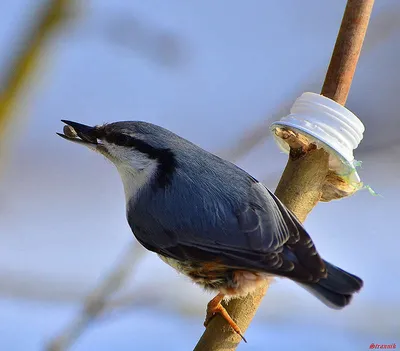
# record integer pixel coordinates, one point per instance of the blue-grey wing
(259, 233)
(265, 221)
(255, 224)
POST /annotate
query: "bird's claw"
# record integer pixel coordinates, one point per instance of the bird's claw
(214, 308)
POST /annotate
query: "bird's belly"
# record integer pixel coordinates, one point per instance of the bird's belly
(214, 276)
(177, 265)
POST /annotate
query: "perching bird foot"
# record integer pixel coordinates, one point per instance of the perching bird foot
(214, 307)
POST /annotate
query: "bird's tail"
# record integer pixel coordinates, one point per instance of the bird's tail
(337, 289)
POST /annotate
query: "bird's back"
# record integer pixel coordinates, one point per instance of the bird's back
(204, 193)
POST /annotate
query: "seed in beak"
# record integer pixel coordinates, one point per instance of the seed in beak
(70, 132)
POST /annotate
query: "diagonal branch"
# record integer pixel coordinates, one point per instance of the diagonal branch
(98, 299)
(300, 187)
(24, 64)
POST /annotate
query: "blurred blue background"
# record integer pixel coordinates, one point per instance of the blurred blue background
(217, 73)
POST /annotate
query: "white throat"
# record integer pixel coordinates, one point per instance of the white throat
(134, 180)
(135, 168)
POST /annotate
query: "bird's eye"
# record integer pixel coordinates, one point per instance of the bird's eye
(119, 139)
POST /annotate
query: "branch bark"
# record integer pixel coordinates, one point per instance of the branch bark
(300, 187)
(347, 50)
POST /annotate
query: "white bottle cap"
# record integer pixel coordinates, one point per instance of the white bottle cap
(330, 125)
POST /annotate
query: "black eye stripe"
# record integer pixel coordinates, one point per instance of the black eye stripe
(129, 141)
(118, 139)
(165, 157)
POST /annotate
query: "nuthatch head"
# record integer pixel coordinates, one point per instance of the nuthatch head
(209, 219)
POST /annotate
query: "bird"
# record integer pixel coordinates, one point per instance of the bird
(209, 219)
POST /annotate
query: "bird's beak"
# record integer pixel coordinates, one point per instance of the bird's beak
(79, 133)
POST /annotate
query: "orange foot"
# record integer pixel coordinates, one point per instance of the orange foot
(214, 307)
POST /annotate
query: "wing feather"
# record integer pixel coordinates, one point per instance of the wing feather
(250, 236)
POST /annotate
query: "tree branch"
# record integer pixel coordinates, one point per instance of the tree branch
(98, 298)
(300, 187)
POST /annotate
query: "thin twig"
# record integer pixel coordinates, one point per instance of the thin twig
(97, 300)
(24, 64)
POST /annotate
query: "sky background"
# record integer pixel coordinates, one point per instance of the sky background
(211, 72)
